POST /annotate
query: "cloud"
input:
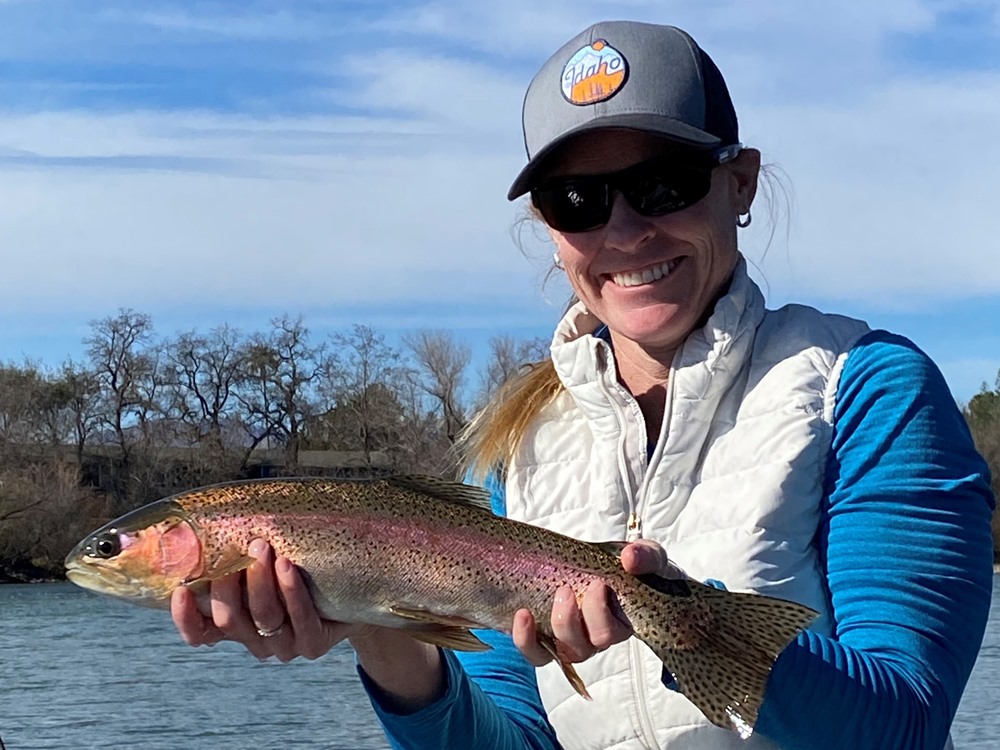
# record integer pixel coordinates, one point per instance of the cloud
(467, 100)
(312, 226)
(355, 157)
(891, 193)
(268, 25)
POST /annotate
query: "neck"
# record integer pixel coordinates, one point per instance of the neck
(645, 375)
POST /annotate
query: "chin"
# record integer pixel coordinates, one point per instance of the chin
(655, 332)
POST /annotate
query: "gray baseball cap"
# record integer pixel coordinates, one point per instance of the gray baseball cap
(624, 74)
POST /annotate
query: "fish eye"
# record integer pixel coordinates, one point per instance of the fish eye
(107, 545)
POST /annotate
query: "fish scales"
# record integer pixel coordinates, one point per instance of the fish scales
(428, 556)
(432, 554)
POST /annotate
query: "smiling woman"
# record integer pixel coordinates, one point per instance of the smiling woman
(784, 452)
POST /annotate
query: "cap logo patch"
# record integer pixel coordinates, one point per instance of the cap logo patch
(594, 73)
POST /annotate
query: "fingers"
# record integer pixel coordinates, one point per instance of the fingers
(525, 636)
(568, 627)
(268, 613)
(645, 556)
(581, 628)
(194, 627)
(313, 635)
(602, 618)
(268, 609)
(234, 619)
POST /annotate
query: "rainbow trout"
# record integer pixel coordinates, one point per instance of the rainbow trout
(428, 556)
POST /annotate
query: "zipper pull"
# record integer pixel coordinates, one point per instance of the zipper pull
(634, 529)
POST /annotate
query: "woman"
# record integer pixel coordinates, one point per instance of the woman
(787, 452)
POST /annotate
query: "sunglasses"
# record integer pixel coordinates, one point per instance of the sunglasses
(656, 187)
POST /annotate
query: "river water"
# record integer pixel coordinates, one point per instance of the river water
(81, 671)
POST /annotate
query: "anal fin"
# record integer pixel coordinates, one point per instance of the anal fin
(549, 644)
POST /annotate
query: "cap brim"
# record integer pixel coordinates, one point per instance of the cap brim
(666, 127)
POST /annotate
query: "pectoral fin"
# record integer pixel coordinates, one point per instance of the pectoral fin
(225, 567)
(446, 631)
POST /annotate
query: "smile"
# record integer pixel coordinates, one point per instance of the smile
(646, 275)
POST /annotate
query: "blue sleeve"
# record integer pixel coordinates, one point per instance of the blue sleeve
(908, 553)
(491, 700)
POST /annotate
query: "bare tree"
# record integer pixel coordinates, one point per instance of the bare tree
(422, 445)
(277, 392)
(205, 371)
(442, 363)
(259, 412)
(83, 391)
(120, 363)
(20, 392)
(362, 381)
(507, 356)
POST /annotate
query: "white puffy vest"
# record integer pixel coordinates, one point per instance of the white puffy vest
(732, 490)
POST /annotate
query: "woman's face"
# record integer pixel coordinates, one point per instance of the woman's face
(687, 256)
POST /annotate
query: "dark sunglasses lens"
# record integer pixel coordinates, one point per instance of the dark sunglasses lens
(574, 206)
(664, 190)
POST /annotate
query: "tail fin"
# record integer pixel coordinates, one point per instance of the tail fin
(720, 647)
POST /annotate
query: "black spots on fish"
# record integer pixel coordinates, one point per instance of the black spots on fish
(675, 587)
(721, 646)
(690, 627)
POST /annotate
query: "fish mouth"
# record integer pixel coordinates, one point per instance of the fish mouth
(118, 585)
(103, 581)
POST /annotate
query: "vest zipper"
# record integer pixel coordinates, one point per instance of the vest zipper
(622, 457)
(648, 738)
(634, 529)
(632, 532)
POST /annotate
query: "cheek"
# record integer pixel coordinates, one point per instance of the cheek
(712, 234)
(575, 254)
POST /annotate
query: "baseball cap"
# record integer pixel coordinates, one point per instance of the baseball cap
(625, 74)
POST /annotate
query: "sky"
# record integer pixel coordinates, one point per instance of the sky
(348, 161)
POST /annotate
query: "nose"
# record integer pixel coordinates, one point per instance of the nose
(627, 229)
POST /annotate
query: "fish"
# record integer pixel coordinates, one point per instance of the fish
(428, 556)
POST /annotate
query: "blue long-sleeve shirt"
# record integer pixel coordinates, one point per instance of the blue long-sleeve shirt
(905, 540)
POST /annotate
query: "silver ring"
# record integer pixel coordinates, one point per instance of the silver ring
(272, 632)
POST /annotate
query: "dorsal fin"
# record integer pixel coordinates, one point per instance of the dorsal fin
(444, 490)
(612, 548)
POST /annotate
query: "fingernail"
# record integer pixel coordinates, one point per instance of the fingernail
(257, 547)
(283, 566)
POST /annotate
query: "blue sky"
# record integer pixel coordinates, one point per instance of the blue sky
(348, 161)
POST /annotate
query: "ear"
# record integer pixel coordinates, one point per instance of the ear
(745, 169)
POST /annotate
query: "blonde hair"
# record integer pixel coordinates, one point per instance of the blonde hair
(494, 435)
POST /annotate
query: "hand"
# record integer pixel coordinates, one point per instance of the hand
(270, 596)
(591, 625)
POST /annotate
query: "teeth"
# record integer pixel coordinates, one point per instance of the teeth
(647, 276)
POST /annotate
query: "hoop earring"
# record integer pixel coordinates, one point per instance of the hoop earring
(744, 223)
(557, 260)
